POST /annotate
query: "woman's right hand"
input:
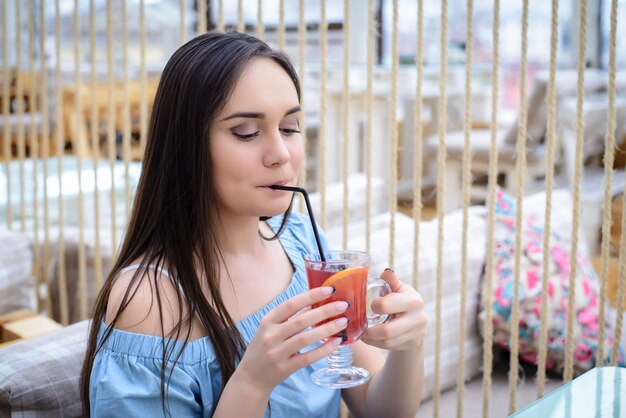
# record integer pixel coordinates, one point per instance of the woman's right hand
(273, 354)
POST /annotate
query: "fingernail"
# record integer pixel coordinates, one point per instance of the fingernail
(328, 290)
(341, 321)
(388, 269)
(341, 306)
(337, 341)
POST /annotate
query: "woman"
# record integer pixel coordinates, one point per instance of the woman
(194, 319)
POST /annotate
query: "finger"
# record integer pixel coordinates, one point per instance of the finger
(400, 325)
(297, 323)
(394, 342)
(392, 303)
(290, 307)
(313, 335)
(392, 279)
(301, 360)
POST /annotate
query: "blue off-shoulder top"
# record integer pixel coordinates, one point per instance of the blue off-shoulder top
(126, 374)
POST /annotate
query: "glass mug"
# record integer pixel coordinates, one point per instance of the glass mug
(346, 271)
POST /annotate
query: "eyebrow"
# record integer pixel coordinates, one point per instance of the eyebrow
(255, 115)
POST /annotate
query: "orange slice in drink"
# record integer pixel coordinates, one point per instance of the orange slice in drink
(348, 283)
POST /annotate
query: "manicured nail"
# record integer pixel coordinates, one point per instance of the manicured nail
(337, 341)
(341, 321)
(341, 306)
(388, 269)
(328, 290)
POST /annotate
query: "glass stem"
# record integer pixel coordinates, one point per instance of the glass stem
(341, 358)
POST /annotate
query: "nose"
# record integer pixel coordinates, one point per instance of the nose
(276, 150)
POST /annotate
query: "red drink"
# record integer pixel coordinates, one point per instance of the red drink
(349, 286)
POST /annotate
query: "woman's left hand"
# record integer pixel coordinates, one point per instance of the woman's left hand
(407, 326)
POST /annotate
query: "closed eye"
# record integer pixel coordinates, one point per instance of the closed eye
(289, 131)
(246, 137)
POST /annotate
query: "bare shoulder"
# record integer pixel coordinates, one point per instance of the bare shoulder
(149, 302)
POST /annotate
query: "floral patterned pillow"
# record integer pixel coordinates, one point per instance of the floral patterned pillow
(586, 324)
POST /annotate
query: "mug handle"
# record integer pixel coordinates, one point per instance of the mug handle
(384, 289)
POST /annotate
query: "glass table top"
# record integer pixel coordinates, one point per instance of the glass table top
(599, 393)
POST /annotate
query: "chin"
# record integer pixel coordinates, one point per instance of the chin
(276, 209)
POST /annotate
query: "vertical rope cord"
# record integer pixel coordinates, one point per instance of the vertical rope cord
(520, 169)
(371, 34)
(126, 108)
(220, 16)
(620, 292)
(281, 24)
(609, 158)
(181, 24)
(467, 184)
(6, 131)
(19, 86)
(34, 150)
(346, 116)
(550, 145)
(45, 134)
(301, 75)
(143, 111)
(240, 22)
(324, 98)
(582, 48)
(202, 25)
(111, 140)
(60, 144)
(260, 27)
(80, 152)
(440, 199)
(95, 144)
(393, 189)
(493, 181)
(418, 144)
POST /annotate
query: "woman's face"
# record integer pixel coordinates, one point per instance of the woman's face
(256, 142)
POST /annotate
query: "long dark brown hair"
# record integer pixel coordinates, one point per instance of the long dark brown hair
(175, 212)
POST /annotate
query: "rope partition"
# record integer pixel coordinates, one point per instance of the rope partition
(371, 35)
(126, 107)
(582, 48)
(393, 189)
(34, 150)
(346, 116)
(143, 105)
(80, 152)
(95, 145)
(550, 155)
(441, 168)
(60, 144)
(487, 296)
(610, 140)
(45, 135)
(620, 291)
(520, 169)
(202, 24)
(323, 108)
(111, 127)
(181, 24)
(301, 76)
(21, 141)
(281, 24)
(220, 16)
(6, 129)
(466, 188)
(260, 27)
(241, 26)
(419, 139)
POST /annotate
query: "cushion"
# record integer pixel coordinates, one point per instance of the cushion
(40, 377)
(531, 269)
(17, 289)
(403, 266)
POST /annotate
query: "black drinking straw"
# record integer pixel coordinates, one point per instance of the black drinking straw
(310, 210)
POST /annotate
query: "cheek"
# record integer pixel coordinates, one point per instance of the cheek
(296, 151)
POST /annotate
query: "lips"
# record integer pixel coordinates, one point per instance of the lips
(279, 183)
